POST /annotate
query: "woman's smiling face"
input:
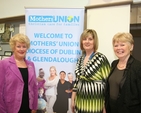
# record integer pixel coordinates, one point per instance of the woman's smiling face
(20, 50)
(88, 43)
(122, 49)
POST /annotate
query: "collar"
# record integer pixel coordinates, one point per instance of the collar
(91, 56)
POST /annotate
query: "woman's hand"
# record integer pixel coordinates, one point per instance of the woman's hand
(72, 106)
(33, 111)
(104, 110)
(72, 101)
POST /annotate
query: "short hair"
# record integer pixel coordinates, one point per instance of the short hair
(40, 88)
(41, 70)
(123, 37)
(21, 38)
(70, 74)
(62, 72)
(85, 34)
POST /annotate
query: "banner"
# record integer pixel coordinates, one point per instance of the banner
(54, 34)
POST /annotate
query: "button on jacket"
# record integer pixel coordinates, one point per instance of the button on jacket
(12, 84)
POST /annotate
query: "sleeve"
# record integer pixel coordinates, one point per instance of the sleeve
(35, 102)
(75, 84)
(105, 68)
(139, 84)
(77, 77)
(2, 83)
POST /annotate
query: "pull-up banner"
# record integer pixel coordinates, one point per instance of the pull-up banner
(54, 34)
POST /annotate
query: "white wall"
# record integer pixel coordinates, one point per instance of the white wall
(108, 21)
(97, 2)
(10, 8)
(136, 1)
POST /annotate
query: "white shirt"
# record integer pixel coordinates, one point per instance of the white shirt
(51, 86)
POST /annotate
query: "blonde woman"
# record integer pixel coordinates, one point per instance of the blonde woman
(51, 89)
(123, 88)
(18, 85)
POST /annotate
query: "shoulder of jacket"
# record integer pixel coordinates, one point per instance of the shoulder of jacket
(5, 61)
(136, 64)
(114, 62)
(29, 62)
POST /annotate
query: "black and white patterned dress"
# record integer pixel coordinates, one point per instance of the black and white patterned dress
(90, 83)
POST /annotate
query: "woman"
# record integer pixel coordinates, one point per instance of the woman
(40, 79)
(63, 90)
(92, 70)
(41, 92)
(51, 89)
(18, 86)
(123, 92)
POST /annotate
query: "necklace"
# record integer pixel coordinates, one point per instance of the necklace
(121, 66)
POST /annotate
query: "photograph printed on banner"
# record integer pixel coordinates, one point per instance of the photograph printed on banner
(53, 90)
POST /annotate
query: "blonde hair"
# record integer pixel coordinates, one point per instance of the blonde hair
(85, 34)
(53, 67)
(123, 37)
(21, 38)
